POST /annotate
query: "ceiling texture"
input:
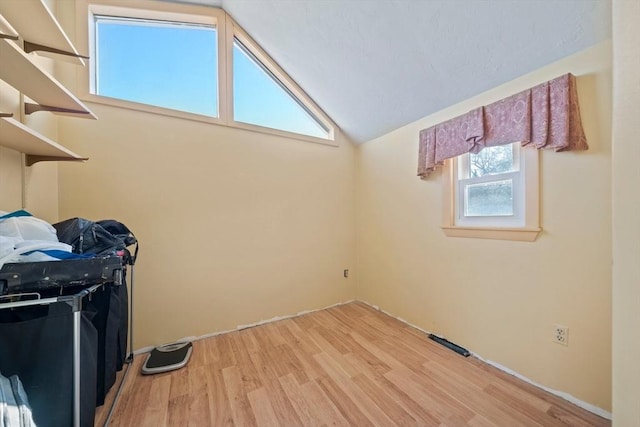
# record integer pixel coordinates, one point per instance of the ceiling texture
(376, 65)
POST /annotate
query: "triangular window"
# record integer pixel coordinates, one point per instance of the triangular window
(259, 98)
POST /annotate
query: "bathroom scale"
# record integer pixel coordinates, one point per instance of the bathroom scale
(167, 357)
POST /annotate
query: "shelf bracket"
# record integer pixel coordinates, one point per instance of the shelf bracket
(30, 108)
(31, 159)
(34, 47)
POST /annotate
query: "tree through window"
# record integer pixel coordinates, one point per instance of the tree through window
(490, 187)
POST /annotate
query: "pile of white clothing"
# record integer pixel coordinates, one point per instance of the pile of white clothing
(25, 238)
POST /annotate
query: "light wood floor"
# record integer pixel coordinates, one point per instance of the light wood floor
(346, 366)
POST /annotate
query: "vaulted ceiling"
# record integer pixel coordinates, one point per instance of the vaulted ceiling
(375, 65)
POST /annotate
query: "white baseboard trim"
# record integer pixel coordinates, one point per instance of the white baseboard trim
(561, 394)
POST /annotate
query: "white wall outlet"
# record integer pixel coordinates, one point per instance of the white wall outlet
(561, 334)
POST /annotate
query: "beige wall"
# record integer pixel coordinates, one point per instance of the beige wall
(501, 299)
(10, 160)
(626, 214)
(10, 180)
(235, 226)
(41, 179)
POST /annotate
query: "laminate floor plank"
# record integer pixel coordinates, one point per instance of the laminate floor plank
(322, 408)
(219, 407)
(428, 396)
(349, 365)
(282, 406)
(343, 402)
(387, 405)
(238, 401)
(306, 344)
(352, 392)
(262, 409)
(198, 410)
(157, 411)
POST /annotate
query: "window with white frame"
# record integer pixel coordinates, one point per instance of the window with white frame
(161, 63)
(490, 187)
(260, 98)
(192, 62)
(493, 194)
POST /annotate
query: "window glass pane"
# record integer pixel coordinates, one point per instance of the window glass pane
(491, 160)
(489, 198)
(171, 65)
(260, 99)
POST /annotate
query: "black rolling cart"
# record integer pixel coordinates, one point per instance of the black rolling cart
(61, 332)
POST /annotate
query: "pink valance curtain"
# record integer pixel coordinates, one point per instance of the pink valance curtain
(546, 116)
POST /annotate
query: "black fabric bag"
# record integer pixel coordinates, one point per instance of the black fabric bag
(105, 305)
(88, 237)
(105, 237)
(121, 295)
(122, 232)
(36, 343)
(110, 307)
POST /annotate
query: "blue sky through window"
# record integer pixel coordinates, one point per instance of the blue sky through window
(175, 65)
(258, 99)
(163, 64)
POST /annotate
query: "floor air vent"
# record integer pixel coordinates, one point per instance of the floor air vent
(455, 347)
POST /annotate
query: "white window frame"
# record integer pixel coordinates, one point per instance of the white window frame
(156, 21)
(464, 180)
(522, 226)
(234, 31)
(157, 11)
(226, 29)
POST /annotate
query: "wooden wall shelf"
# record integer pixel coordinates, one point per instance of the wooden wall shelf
(35, 23)
(24, 74)
(6, 30)
(37, 147)
(29, 26)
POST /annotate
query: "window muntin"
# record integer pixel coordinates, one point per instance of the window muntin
(490, 188)
(259, 98)
(166, 64)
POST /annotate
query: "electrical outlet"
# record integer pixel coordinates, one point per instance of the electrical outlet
(561, 334)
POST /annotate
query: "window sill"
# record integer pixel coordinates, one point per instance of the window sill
(514, 234)
(152, 109)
